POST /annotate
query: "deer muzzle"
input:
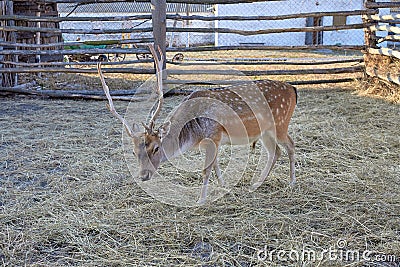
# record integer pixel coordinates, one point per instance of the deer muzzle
(145, 175)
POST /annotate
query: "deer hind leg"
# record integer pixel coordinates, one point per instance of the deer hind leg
(269, 143)
(218, 172)
(289, 146)
(211, 150)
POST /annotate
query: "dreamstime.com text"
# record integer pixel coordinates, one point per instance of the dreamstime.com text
(339, 252)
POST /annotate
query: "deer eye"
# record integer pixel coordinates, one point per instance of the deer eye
(155, 150)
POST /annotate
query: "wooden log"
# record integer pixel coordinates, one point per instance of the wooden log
(172, 29)
(192, 17)
(369, 35)
(391, 38)
(231, 82)
(270, 31)
(280, 17)
(1, 64)
(78, 51)
(369, 4)
(264, 47)
(268, 72)
(341, 80)
(65, 95)
(213, 2)
(384, 51)
(159, 22)
(387, 28)
(387, 76)
(61, 19)
(72, 70)
(64, 64)
(63, 44)
(98, 92)
(382, 18)
(38, 39)
(73, 31)
(268, 62)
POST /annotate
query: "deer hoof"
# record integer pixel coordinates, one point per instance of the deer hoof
(201, 201)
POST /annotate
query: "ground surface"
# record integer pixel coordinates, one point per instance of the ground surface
(68, 199)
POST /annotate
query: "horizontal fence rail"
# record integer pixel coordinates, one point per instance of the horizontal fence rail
(267, 72)
(280, 17)
(367, 13)
(270, 31)
(213, 2)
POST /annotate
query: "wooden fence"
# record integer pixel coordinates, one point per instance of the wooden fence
(383, 63)
(41, 26)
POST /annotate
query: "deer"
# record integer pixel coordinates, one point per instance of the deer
(262, 111)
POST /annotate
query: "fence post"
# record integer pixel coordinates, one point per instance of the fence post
(369, 35)
(1, 65)
(159, 19)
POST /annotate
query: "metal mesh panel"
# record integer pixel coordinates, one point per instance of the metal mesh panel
(340, 37)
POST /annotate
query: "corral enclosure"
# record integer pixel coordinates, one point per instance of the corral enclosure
(67, 197)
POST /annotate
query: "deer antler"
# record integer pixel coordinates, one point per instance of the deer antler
(159, 67)
(110, 102)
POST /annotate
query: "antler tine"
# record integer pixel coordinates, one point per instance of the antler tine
(110, 102)
(159, 66)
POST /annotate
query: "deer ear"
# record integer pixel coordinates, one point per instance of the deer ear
(164, 129)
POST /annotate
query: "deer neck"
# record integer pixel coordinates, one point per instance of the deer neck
(181, 139)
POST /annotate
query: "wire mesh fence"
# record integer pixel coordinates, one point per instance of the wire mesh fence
(252, 27)
(102, 10)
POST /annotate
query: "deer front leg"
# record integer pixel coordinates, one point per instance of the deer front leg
(211, 150)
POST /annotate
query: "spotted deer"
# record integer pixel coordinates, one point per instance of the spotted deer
(262, 110)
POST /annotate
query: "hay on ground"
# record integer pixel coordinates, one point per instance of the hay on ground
(67, 198)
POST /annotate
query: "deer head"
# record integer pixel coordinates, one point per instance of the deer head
(146, 138)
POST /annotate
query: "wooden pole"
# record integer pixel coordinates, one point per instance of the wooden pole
(38, 41)
(369, 34)
(202, 2)
(369, 12)
(159, 19)
(1, 64)
(159, 14)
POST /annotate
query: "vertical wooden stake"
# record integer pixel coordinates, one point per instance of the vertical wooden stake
(38, 24)
(159, 18)
(369, 35)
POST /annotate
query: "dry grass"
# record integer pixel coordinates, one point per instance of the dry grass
(67, 198)
(374, 87)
